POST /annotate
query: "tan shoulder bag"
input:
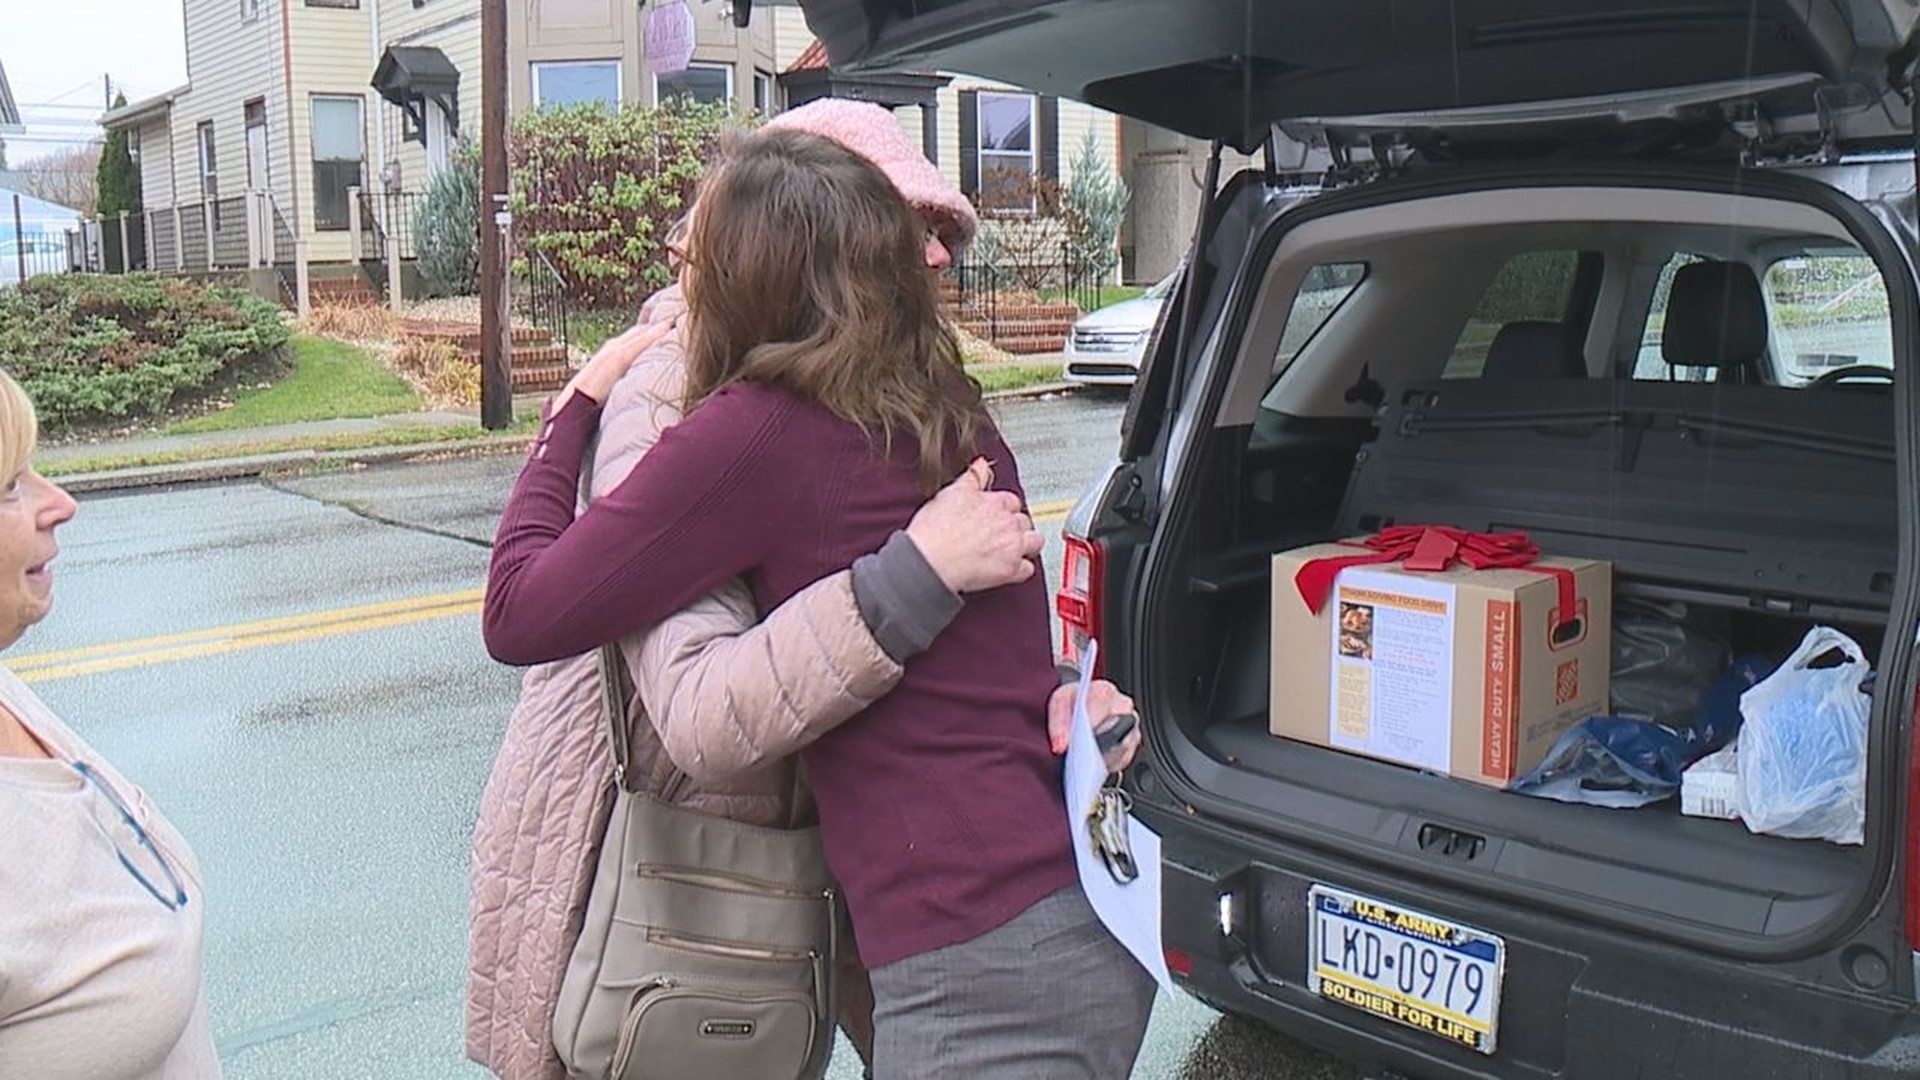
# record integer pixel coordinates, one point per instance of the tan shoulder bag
(707, 951)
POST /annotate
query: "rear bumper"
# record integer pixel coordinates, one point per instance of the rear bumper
(1576, 1004)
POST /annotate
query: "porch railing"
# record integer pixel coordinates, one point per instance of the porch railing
(1002, 295)
(539, 295)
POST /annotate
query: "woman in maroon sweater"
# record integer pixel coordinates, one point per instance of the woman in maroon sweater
(826, 401)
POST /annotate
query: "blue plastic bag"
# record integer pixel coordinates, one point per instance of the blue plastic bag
(1611, 761)
(1622, 762)
(1803, 747)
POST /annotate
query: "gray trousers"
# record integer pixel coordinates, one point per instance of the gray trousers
(1049, 995)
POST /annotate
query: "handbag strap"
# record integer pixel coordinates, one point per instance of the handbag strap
(616, 681)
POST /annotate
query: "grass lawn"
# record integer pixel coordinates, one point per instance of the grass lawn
(330, 381)
(1013, 376)
(1104, 296)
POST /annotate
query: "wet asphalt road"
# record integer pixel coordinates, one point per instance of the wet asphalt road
(326, 767)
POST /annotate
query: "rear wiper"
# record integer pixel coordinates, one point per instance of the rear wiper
(1818, 442)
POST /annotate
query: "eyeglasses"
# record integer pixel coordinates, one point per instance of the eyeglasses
(675, 243)
(137, 851)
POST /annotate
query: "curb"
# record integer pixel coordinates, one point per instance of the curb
(286, 462)
(296, 461)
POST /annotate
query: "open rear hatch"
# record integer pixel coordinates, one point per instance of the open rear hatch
(1227, 70)
(1448, 80)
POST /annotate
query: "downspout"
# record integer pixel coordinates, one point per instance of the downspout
(299, 225)
(374, 100)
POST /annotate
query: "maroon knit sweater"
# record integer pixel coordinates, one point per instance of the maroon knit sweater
(941, 805)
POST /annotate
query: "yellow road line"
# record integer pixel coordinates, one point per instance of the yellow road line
(248, 641)
(287, 629)
(263, 626)
(1047, 512)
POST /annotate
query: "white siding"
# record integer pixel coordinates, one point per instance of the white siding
(156, 162)
(790, 34)
(332, 55)
(230, 61)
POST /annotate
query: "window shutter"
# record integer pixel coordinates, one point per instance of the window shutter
(1047, 136)
(969, 143)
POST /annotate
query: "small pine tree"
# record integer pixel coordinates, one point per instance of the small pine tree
(446, 235)
(1095, 204)
(117, 180)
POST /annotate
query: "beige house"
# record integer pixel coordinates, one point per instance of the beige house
(291, 106)
(279, 120)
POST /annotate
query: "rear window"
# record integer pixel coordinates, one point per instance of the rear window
(1534, 286)
(1324, 289)
(1826, 310)
(1829, 311)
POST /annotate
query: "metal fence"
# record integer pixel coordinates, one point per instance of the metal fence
(540, 296)
(1006, 291)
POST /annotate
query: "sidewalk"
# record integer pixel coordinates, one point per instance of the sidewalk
(227, 455)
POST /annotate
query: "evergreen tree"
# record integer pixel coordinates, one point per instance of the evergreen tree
(119, 184)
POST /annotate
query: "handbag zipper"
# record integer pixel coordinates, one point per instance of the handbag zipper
(666, 987)
(728, 882)
(671, 940)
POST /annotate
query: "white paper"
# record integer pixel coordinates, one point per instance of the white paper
(1393, 668)
(1131, 912)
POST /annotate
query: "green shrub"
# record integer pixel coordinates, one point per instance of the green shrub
(1095, 203)
(597, 190)
(446, 234)
(90, 348)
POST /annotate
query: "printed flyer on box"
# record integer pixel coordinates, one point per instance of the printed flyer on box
(1393, 668)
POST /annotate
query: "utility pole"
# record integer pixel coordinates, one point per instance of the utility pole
(496, 354)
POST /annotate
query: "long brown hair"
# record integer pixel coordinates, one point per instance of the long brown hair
(808, 271)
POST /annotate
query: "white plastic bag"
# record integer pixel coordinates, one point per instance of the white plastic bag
(1803, 748)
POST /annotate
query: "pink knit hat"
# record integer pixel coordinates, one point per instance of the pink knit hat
(873, 133)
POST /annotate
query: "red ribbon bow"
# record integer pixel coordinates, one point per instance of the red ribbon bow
(1431, 549)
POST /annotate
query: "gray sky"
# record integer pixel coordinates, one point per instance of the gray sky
(57, 52)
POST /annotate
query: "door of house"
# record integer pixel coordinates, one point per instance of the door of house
(256, 146)
(439, 137)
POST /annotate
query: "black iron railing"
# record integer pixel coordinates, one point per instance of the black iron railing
(373, 243)
(1001, 295)
(540, 296)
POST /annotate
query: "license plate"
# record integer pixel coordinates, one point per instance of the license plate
(1429, 974)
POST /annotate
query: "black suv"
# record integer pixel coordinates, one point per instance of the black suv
(1634, 278)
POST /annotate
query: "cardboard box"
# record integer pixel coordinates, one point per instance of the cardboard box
(1456, 672)
(1710, 788)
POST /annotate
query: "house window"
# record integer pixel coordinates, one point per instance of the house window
(763, 93)
(338, 154)
(249, 10)
(334, 3)
(576, 82)
(1006, 148)
(706, 84)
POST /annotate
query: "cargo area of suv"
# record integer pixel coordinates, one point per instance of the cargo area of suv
(1634, 279)
(1604, 369)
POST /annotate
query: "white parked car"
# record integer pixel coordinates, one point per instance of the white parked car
(1105, 346)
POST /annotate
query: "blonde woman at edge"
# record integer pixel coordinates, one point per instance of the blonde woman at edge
(100, 901)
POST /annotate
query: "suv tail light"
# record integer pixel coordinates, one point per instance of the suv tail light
(1082, 573)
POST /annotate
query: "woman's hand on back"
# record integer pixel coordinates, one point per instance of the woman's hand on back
(975, 538)
(596, 378)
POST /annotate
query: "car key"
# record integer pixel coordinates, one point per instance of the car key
(1111, 737)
